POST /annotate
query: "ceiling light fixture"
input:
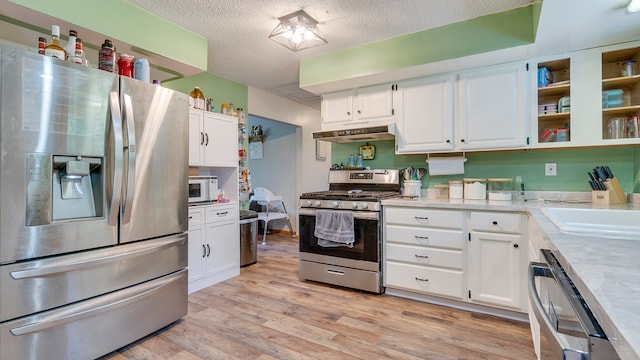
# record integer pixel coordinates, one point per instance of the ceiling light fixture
(297, 31)
(634, 6)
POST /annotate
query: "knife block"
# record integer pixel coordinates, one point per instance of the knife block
(613, 194)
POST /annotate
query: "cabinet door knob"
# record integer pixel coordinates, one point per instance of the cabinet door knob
(448, 141)
(495, 222)
(516, 246)
(461, 140)
(348, 112)
(359, 112)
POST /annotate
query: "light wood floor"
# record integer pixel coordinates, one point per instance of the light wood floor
(268, 313)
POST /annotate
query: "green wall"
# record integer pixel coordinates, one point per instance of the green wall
(636, 170)
(572, 165)
(217, 88)
(117, 19)
(487, 33)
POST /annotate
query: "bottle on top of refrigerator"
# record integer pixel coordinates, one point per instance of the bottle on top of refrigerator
(78, 54)
(42, 44)
(197, 100)
(141, 70)
(71, 45)
(54, 49)
(107, 57)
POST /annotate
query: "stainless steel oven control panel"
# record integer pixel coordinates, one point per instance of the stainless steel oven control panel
(339, 204)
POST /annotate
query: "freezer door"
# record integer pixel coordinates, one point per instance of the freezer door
(156, 130)
(98, 326)
(54, 113)
(33, 286)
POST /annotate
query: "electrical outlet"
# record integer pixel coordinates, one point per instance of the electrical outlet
(550, 169)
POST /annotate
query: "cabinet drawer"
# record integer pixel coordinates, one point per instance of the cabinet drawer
(196, 217)
(451, 239)
(425, 279)
(425, 217)
(221, 213)
(495, 222)
(425, 256)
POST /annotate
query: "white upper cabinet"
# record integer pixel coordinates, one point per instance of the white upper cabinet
(492, 108)
(367, 106)
(213, 139)
(424, 118)
(588, 93)
(484, 109)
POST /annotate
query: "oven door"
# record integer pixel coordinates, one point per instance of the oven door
(366, 232)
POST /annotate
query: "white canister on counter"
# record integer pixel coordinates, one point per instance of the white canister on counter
(412, 188)
(475, 189)
(455, 189)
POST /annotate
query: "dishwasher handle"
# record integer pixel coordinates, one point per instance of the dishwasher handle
(565, 344)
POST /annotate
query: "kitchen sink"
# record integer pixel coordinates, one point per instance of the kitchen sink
(606, 223)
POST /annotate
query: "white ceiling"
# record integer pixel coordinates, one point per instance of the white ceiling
(237, 31)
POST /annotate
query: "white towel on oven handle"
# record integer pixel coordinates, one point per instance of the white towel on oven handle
(334, 228)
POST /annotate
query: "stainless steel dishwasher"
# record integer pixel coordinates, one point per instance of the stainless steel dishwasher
(568, 329)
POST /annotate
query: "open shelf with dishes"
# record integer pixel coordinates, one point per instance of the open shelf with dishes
(620, 94)
(554, 104)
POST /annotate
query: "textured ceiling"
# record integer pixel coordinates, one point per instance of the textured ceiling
(237, 31)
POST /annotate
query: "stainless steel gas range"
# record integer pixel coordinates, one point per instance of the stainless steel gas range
(341, 229)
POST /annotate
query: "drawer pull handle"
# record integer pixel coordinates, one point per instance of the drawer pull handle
(204, 251)
(421, 218)
(495, 222)
(335, 272)
(222, 213)
(421, 237)
(208, 250)
(419, 279)
(421, 256)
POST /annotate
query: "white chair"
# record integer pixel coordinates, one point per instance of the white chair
(273, 206)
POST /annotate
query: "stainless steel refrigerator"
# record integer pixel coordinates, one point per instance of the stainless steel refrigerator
(93, 215)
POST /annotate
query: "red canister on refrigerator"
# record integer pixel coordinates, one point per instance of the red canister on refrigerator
(125, 65)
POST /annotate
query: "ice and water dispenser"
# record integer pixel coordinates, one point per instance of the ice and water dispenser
(62, 187)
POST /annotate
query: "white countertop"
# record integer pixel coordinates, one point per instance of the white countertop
(606, 271)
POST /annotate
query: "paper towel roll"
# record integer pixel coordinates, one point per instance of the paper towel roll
(446, 165)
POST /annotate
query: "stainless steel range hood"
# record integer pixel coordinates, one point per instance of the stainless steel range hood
(382, 132)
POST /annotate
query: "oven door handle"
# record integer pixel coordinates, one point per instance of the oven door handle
(565, 342)
(366, 215)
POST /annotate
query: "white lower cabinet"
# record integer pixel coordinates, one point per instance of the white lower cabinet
(425, 251)
(496, 265)
(470, 256)
(214, 245)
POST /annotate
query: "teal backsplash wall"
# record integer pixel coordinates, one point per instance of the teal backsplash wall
(572, 165)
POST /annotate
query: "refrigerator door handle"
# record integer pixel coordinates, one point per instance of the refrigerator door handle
(130, 149)
(116, 190)
(63, 265)
(85, 310)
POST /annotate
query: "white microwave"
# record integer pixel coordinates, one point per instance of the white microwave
(203, 189)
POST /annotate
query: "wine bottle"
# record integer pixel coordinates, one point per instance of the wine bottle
(54, 49)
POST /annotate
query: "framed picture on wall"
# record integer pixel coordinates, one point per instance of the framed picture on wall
(255, 147)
